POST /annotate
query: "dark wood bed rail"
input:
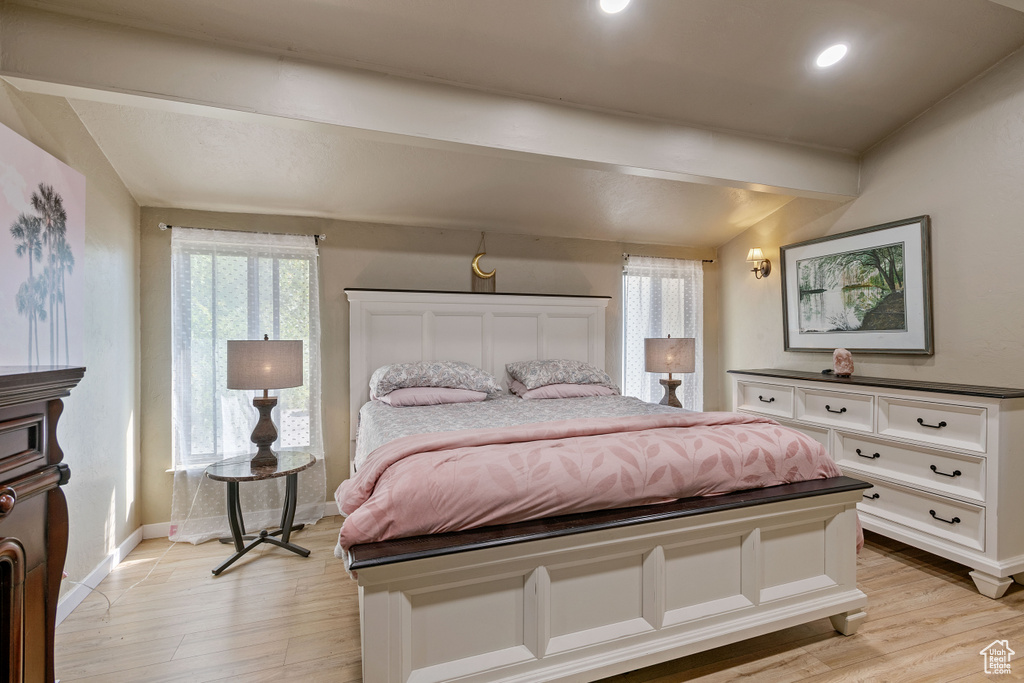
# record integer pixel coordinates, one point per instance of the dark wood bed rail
(434, 545)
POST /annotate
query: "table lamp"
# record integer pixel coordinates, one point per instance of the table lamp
(264, 365)
(669, 355)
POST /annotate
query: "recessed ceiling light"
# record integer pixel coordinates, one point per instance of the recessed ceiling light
(614, 6)
(831, 55)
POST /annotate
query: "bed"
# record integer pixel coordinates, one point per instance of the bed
(578, 595)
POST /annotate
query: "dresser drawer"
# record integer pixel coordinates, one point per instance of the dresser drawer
(837, 409)
(943, 518)
(942, 424)
(942, 472)
(21, 444)
(767, 399)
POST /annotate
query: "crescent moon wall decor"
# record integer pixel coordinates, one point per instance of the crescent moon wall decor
(476, 268)
(482, 282)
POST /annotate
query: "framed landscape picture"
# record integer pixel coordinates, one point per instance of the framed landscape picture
(867, 290)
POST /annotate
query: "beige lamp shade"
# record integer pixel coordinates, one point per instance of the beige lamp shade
(267, 364)
(672, 354)
(755, 255)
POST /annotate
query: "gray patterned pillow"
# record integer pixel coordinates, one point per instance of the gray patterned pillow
(539, 373)
(431, 373)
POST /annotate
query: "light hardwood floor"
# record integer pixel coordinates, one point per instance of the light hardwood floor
(277, 617)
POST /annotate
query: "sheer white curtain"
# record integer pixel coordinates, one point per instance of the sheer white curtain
(661, 297)
(240, 285)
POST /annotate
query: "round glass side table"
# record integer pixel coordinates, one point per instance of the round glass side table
(238, 469)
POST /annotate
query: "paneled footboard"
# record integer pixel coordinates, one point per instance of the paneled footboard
(599, 600)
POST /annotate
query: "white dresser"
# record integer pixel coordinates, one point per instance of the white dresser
(946, 460)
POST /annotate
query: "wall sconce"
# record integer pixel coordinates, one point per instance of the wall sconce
(763, 267)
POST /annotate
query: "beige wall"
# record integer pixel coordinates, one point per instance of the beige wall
(962, 163)
(385, 257)
(99, 429)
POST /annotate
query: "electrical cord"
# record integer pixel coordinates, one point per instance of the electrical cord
(110, 604)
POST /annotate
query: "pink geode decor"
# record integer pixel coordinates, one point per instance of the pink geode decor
(842, 363)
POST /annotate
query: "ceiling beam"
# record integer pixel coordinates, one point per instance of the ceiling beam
(1012, 4)
(58, 54)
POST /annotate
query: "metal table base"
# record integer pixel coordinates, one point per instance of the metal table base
(237, 524)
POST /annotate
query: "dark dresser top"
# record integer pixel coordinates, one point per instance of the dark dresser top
(887, 383)
(23, 384)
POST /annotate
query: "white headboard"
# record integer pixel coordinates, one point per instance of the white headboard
(486, 330)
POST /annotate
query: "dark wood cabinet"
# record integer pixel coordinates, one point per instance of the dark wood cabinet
(33, 517)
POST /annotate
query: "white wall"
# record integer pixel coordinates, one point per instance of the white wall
(962, 163)
(385, 257)
(99, 430)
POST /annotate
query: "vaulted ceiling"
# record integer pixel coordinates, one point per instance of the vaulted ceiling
(677, 122)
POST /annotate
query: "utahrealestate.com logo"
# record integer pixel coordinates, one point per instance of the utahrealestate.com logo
(997, 657)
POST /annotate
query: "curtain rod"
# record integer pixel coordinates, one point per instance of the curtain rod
(703, 260)
(165, 226)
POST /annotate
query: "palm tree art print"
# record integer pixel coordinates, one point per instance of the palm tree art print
(41, 297)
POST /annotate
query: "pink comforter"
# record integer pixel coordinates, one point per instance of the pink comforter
(450, 481)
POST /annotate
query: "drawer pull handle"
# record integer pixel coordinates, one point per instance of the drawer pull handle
(956, 473)
(8, 497)
(838, 412)
(869, 457)
(955, 520)
(921, 422)
(766, 400)
(873, 496)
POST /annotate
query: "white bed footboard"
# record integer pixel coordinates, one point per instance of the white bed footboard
(588, 605)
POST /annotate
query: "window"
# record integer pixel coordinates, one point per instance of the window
(661, 297)
(236, 285)
(239, 285)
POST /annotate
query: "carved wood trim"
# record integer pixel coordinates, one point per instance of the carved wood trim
(57, 550)
(54, 454)
(40, 482)
(12, 608)
(27, 385)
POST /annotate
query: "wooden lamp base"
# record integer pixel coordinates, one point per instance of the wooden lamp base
(265, 433)
(669, 399)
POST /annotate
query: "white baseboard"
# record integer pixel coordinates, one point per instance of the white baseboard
(331, 508)
(159, 530)
(74, 598)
